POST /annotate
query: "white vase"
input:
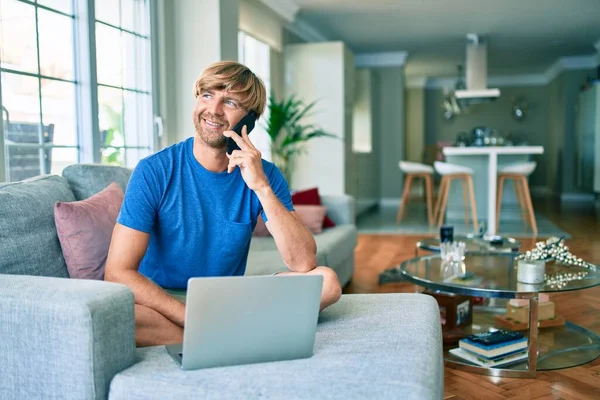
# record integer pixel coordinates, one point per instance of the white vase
(531, 271)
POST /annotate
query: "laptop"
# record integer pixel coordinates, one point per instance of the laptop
(248, 319)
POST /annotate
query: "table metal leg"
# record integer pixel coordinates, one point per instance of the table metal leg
(533, 335)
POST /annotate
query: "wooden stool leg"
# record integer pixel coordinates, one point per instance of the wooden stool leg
(405, 196)
(521, 200)
(529, 204)
(438, 201)
(473, 206)
(499, 201)
(465, 201)
(428, 196)
(444, 199)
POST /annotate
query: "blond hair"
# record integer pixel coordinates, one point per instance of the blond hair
(234, 78)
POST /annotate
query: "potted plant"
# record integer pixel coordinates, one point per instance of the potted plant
(287, 133)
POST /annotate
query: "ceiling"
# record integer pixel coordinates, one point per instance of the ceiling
(524, 36)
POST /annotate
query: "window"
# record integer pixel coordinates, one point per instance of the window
(38, 87)
(46, 80)
(124, 80)
(256, 55)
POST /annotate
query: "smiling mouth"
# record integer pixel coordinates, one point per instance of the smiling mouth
(214, 125)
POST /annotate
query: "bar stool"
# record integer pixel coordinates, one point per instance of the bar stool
(518, 173)
(449, 172)
(414, 170)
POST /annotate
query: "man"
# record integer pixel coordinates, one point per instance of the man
(190, 209)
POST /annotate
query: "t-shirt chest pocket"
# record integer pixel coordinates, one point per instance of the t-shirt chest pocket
(230, 244)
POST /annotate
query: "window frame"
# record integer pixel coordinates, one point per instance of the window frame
(85, 79)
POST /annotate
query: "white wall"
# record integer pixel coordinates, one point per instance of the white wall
(323, 72)
(187, 24)
(361, 126)
(260, 22)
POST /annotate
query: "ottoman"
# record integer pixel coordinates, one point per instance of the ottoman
(367, 346)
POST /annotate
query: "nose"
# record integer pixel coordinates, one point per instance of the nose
(215, 107)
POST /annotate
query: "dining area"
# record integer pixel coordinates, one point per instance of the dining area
(480, 183)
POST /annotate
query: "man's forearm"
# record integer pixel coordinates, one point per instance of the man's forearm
(152, 296)
(295, 243)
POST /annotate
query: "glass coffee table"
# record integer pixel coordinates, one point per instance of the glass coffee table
(474, 243)
(494, 276)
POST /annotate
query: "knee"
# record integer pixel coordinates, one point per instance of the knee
(331, 284)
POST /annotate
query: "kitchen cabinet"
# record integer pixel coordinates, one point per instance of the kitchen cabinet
(588, 139)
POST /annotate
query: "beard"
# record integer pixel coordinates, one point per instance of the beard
(212, 137)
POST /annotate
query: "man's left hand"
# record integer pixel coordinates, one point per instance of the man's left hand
(248, 159)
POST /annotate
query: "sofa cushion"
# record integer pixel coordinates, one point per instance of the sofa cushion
(85, 228)
(311, 216)
(88, 179)
(334, 245)
(337, 244)
(376, 346)
(311, 197)
(29, 243)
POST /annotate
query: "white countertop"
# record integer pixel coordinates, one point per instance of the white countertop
(466, 151)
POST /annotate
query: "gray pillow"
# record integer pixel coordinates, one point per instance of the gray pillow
(88, 179)
(29, 243)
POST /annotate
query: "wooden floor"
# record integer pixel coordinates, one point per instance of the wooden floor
(375, 253)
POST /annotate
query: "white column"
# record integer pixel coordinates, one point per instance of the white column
(197, 33)
(492, 179)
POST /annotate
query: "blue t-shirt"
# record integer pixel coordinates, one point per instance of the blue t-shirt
(200, 222)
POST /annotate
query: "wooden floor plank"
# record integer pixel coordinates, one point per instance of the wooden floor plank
(375, 253)
(527, 392)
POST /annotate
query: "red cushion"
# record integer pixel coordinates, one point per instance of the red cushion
(311, 197)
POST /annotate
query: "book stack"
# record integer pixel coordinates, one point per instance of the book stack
(492, 349)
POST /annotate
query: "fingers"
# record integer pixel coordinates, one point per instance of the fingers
(243, 141)
(246, 137)
(239, 159)
(237, 139)
(244, 158)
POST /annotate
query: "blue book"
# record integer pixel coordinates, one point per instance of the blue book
(494, 350)
(495, 337)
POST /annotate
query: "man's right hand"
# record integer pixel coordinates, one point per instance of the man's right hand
(127, 248)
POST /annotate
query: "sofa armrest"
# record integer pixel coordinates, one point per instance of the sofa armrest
(340, 208)
(63, 338)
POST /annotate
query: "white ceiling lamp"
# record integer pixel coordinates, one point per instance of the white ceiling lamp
(476, 90)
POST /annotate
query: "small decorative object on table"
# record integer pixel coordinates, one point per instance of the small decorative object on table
(532, 277)
(456, 313)
(446, 234)
(517, 314)
(531, 271)
(555, 249)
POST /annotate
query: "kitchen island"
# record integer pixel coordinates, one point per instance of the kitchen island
(485, 162)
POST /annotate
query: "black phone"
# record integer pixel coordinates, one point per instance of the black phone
(249, 120)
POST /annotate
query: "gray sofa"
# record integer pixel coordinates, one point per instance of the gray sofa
(64, 338)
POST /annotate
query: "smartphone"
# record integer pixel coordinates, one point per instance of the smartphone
(249, 120)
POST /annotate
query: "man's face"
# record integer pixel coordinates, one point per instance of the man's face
(215, 112)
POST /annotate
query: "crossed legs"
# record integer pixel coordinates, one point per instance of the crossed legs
(152, 328)
(332, 290)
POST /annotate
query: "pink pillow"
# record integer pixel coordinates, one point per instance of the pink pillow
(84, 230)
(261, 229)
(312, 216)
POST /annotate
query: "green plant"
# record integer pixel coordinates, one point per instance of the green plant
(288, 135)
(112, 137)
